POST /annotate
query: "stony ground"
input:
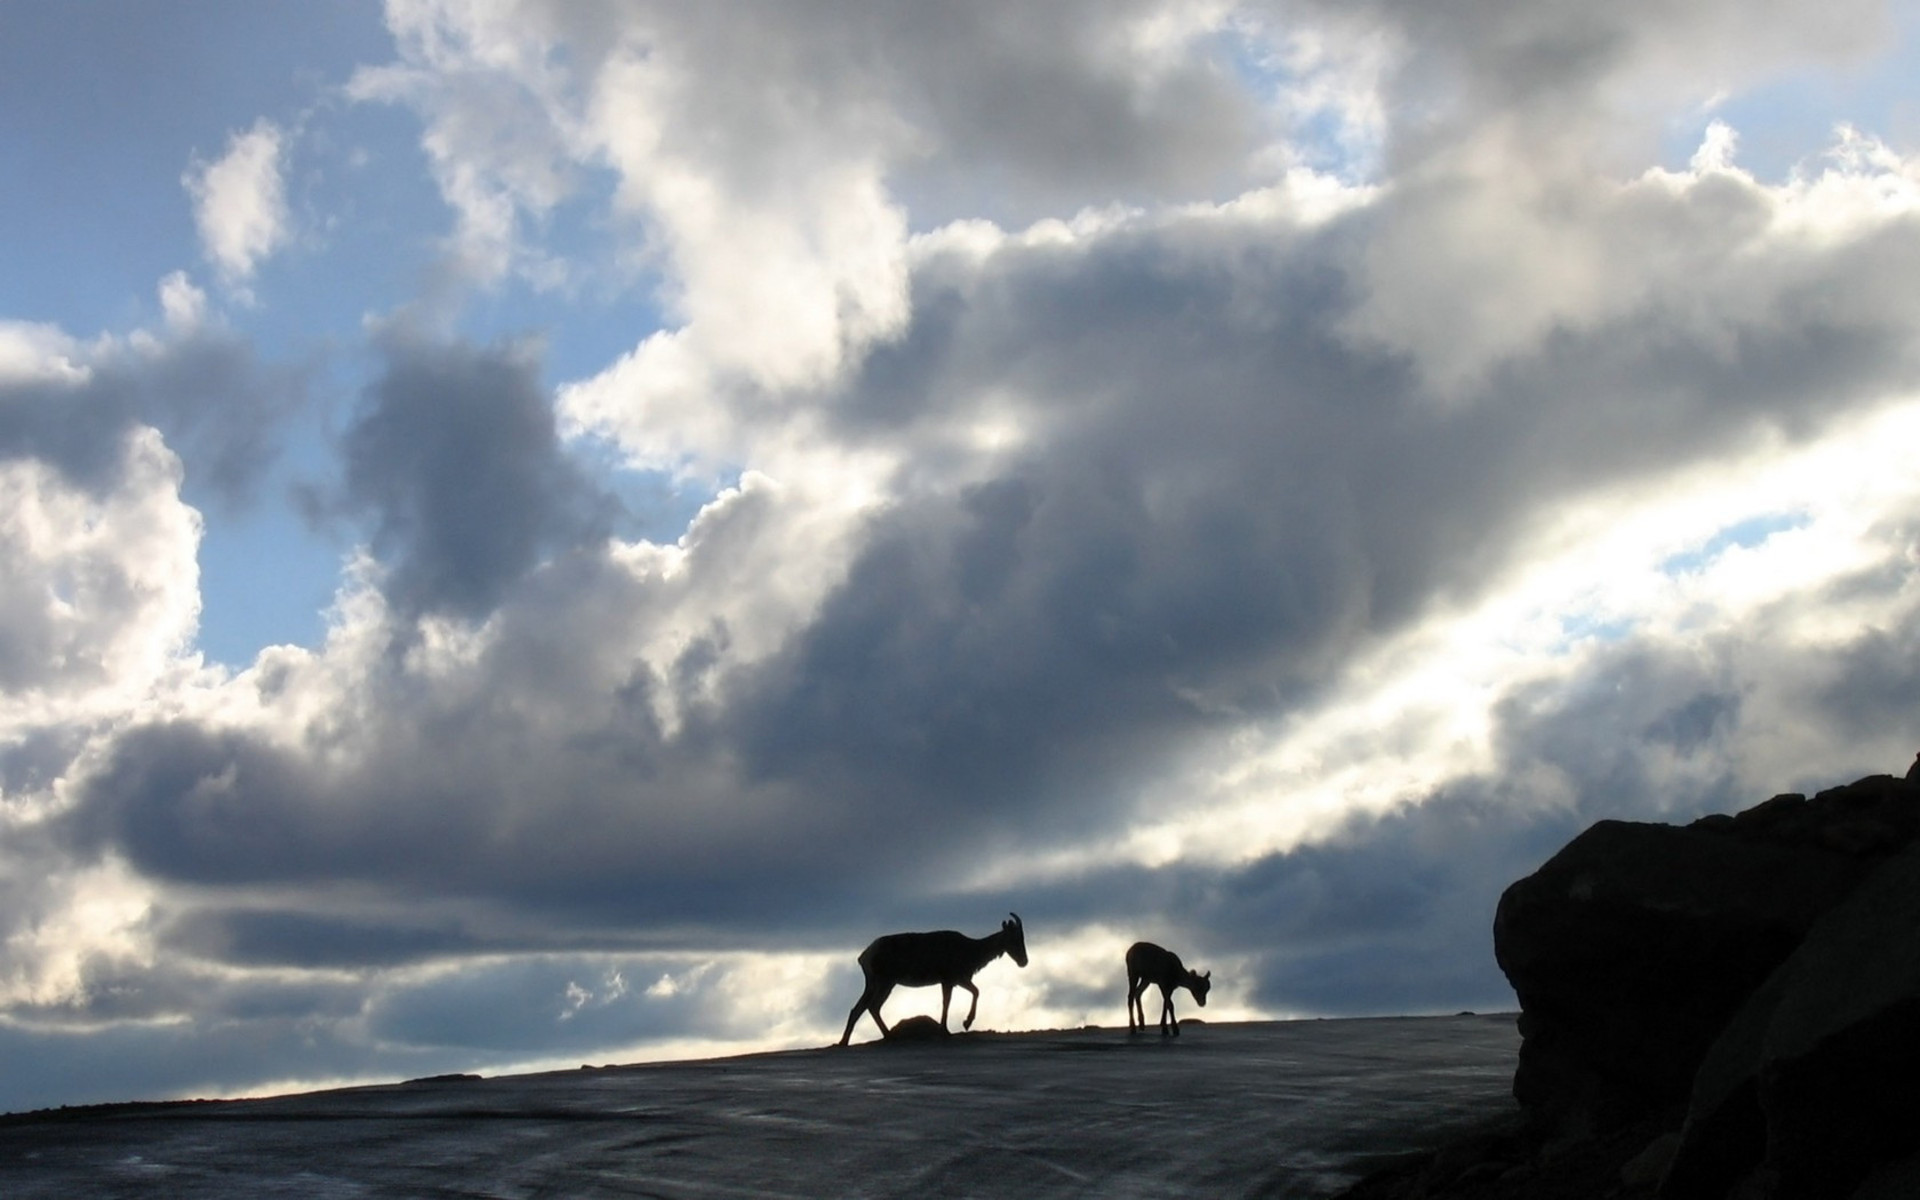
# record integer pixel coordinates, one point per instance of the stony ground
(1275, 1109)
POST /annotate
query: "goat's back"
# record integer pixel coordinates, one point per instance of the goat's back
(921, 959)
(1155, 963)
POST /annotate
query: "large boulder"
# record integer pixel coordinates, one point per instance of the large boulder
(1816, 1081)
(1631, 948)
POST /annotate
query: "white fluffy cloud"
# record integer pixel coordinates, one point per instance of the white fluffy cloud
(239, 201)
(100, 591)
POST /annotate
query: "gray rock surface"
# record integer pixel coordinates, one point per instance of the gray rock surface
(1276, 1109)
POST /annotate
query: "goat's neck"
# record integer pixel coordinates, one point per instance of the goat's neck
(988, 948)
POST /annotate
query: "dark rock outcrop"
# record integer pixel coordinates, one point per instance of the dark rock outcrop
(1757, 974)
(1758, 971)
(1631, 948)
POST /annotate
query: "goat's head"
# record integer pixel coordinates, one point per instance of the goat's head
(1015, 935)
(1199, 985)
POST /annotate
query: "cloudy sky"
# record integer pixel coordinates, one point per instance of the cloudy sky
(530, 530)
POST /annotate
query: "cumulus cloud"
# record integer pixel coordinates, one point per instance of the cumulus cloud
(239, 201)
(183, 304)
(456, 458)
(100, 590)
(766, 157)
(71, 405)
(97, 443)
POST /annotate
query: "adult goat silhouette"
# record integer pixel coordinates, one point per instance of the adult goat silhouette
(944, 957)
(1150, 964)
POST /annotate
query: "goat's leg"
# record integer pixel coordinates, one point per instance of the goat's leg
(859, 1006)
(880, 995)
(971, 1008)
(946, 999)
(1134, 988)
(870, 1001)
(1167, 1019)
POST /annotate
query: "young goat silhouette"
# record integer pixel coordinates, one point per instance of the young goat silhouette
(944, 957)
(1150, 964)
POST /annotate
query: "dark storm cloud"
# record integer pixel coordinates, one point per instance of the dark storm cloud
(1002, 109)
(232, 806)
(583, 831)
(1866, 692)
(456, 459)
(1204, 534)
(281, 938)
(1055, 114)
(217, 406)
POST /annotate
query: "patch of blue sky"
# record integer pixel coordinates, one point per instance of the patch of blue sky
(268, 569)
(1788, 125)
(267, 577)
(604, 301)
(1742, 535)
(103, 105)
(1325, 141)
(656, 505)
(1322, 136)
(1251, 57)
(1583, 628)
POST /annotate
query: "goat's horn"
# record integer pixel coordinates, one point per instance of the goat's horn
(1015, 916)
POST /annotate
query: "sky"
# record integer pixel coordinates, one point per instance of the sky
(531, 530)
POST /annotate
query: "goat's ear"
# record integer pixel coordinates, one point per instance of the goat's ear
(1208, 975)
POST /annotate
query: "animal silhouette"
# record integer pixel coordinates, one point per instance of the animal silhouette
(1151, 964)
(943, 956)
